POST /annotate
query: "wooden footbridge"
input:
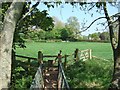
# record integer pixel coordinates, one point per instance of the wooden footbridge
(50, 73)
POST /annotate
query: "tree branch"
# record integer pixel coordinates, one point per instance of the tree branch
(112, 37)
(92, 24)
(116, 15)
(31, 9)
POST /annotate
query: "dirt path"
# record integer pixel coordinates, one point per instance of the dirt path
(50, 78)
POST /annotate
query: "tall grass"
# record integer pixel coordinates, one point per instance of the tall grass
(90, 74)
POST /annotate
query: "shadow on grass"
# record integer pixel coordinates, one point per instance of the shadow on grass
(94, 74)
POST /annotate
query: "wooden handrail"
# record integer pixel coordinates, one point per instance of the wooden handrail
(45, 56)
(26, 57)
(38, 82)
(62, 81)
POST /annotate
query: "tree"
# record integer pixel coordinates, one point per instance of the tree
(74, 27)
(94, 36)
(58, 24)
(64, 34)
(104, 36)
(115, 83)
(115, 47)
(41, 34)
(12, 15)
(6, 38)
(37, 19)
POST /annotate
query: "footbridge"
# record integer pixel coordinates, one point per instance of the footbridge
(50, 74)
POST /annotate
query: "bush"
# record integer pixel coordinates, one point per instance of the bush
(89, 74)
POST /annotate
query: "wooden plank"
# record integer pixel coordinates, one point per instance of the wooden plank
(26, 57)
(63, 76)
(49, 56)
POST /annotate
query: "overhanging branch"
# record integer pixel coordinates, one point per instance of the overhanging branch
(92, 24)
(115, 15)
(31, 9)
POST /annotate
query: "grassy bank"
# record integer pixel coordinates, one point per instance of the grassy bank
(93, 73)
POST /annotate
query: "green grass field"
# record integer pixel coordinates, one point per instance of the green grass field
(102, 50)
(95, 73)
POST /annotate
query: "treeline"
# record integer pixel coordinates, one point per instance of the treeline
(62, 31)
(62, 34)
(104, 36)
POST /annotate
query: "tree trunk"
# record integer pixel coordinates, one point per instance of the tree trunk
(116, 74)
(6, 40)
(115, 83)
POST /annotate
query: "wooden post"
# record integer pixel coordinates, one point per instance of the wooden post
(40, 57)
(65, 63)
(60, 57)
(13, 66)
(90, 54)
(76, 56)
(28, 65)
(13, 59)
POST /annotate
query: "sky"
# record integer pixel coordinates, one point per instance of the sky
(64, 11)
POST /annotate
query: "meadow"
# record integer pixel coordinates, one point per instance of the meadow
(95, 73)
(102, 50)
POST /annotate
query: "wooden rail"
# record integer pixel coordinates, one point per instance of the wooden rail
(38, 82)
(27, 57)
(62, 82)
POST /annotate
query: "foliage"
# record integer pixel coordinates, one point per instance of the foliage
(36, 19)
(94, 36)
(73, 26)
(104, 36)
(23, 75)
(89, 74)
(64, 34)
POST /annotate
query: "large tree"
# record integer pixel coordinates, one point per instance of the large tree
(115, 46)
(11, 18)
(115, 82)
(12, 14)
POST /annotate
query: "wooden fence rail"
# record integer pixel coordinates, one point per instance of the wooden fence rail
(38, 81)
(26, 57)
(62, 81)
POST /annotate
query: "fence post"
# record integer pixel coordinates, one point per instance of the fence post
(76, 56)
(13, 66)
(13, 59)
(60, 57)
(40, 57)
(65, 63)
(90, 54)
(28, 65)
